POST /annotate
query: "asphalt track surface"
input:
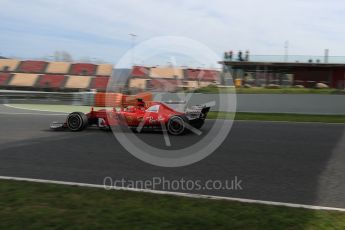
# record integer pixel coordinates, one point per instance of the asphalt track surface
(300, 163)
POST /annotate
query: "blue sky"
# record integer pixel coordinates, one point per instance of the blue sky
(99, 29)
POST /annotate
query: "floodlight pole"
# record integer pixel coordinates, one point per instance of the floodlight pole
(326, 56)
(133, 36)
(286, 51)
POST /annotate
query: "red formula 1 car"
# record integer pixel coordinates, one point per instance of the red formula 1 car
(152, 115)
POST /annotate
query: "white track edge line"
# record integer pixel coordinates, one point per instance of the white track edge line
(293, 122)
(38, 114)
(40, 110)
(260, 121)
(180, 194)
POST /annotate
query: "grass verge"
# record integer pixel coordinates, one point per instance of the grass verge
(279, 117)
(27, 205)
(262, 90)
(55, 108)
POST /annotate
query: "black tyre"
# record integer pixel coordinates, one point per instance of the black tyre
(77, 121)
(177, 125)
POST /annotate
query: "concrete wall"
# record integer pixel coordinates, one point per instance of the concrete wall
(291, 103)
(267, 103)
(261, 103)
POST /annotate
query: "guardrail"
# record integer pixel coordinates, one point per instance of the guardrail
(259, 103)
(39, 97)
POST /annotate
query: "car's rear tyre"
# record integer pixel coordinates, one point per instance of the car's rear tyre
(177, 125)
(77, 121)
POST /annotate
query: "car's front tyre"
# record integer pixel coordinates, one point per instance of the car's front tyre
(77, 121)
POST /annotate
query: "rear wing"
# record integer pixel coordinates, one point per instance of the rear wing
(197, 112)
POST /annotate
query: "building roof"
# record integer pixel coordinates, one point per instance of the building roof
(249, 65)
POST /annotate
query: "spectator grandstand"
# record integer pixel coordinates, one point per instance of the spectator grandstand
(203, 75)
(140, 71)
(78, 82)
(83, 69)
(52, 81)
(4, 78)
(100, 83)
(171, 79)
(104, 70)
(168, 72)
(8, 65)
(169, 85)
(58, 67)
(32, 67)
(23, 80)
(138, 83)
(53, 76)
(67, 76)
